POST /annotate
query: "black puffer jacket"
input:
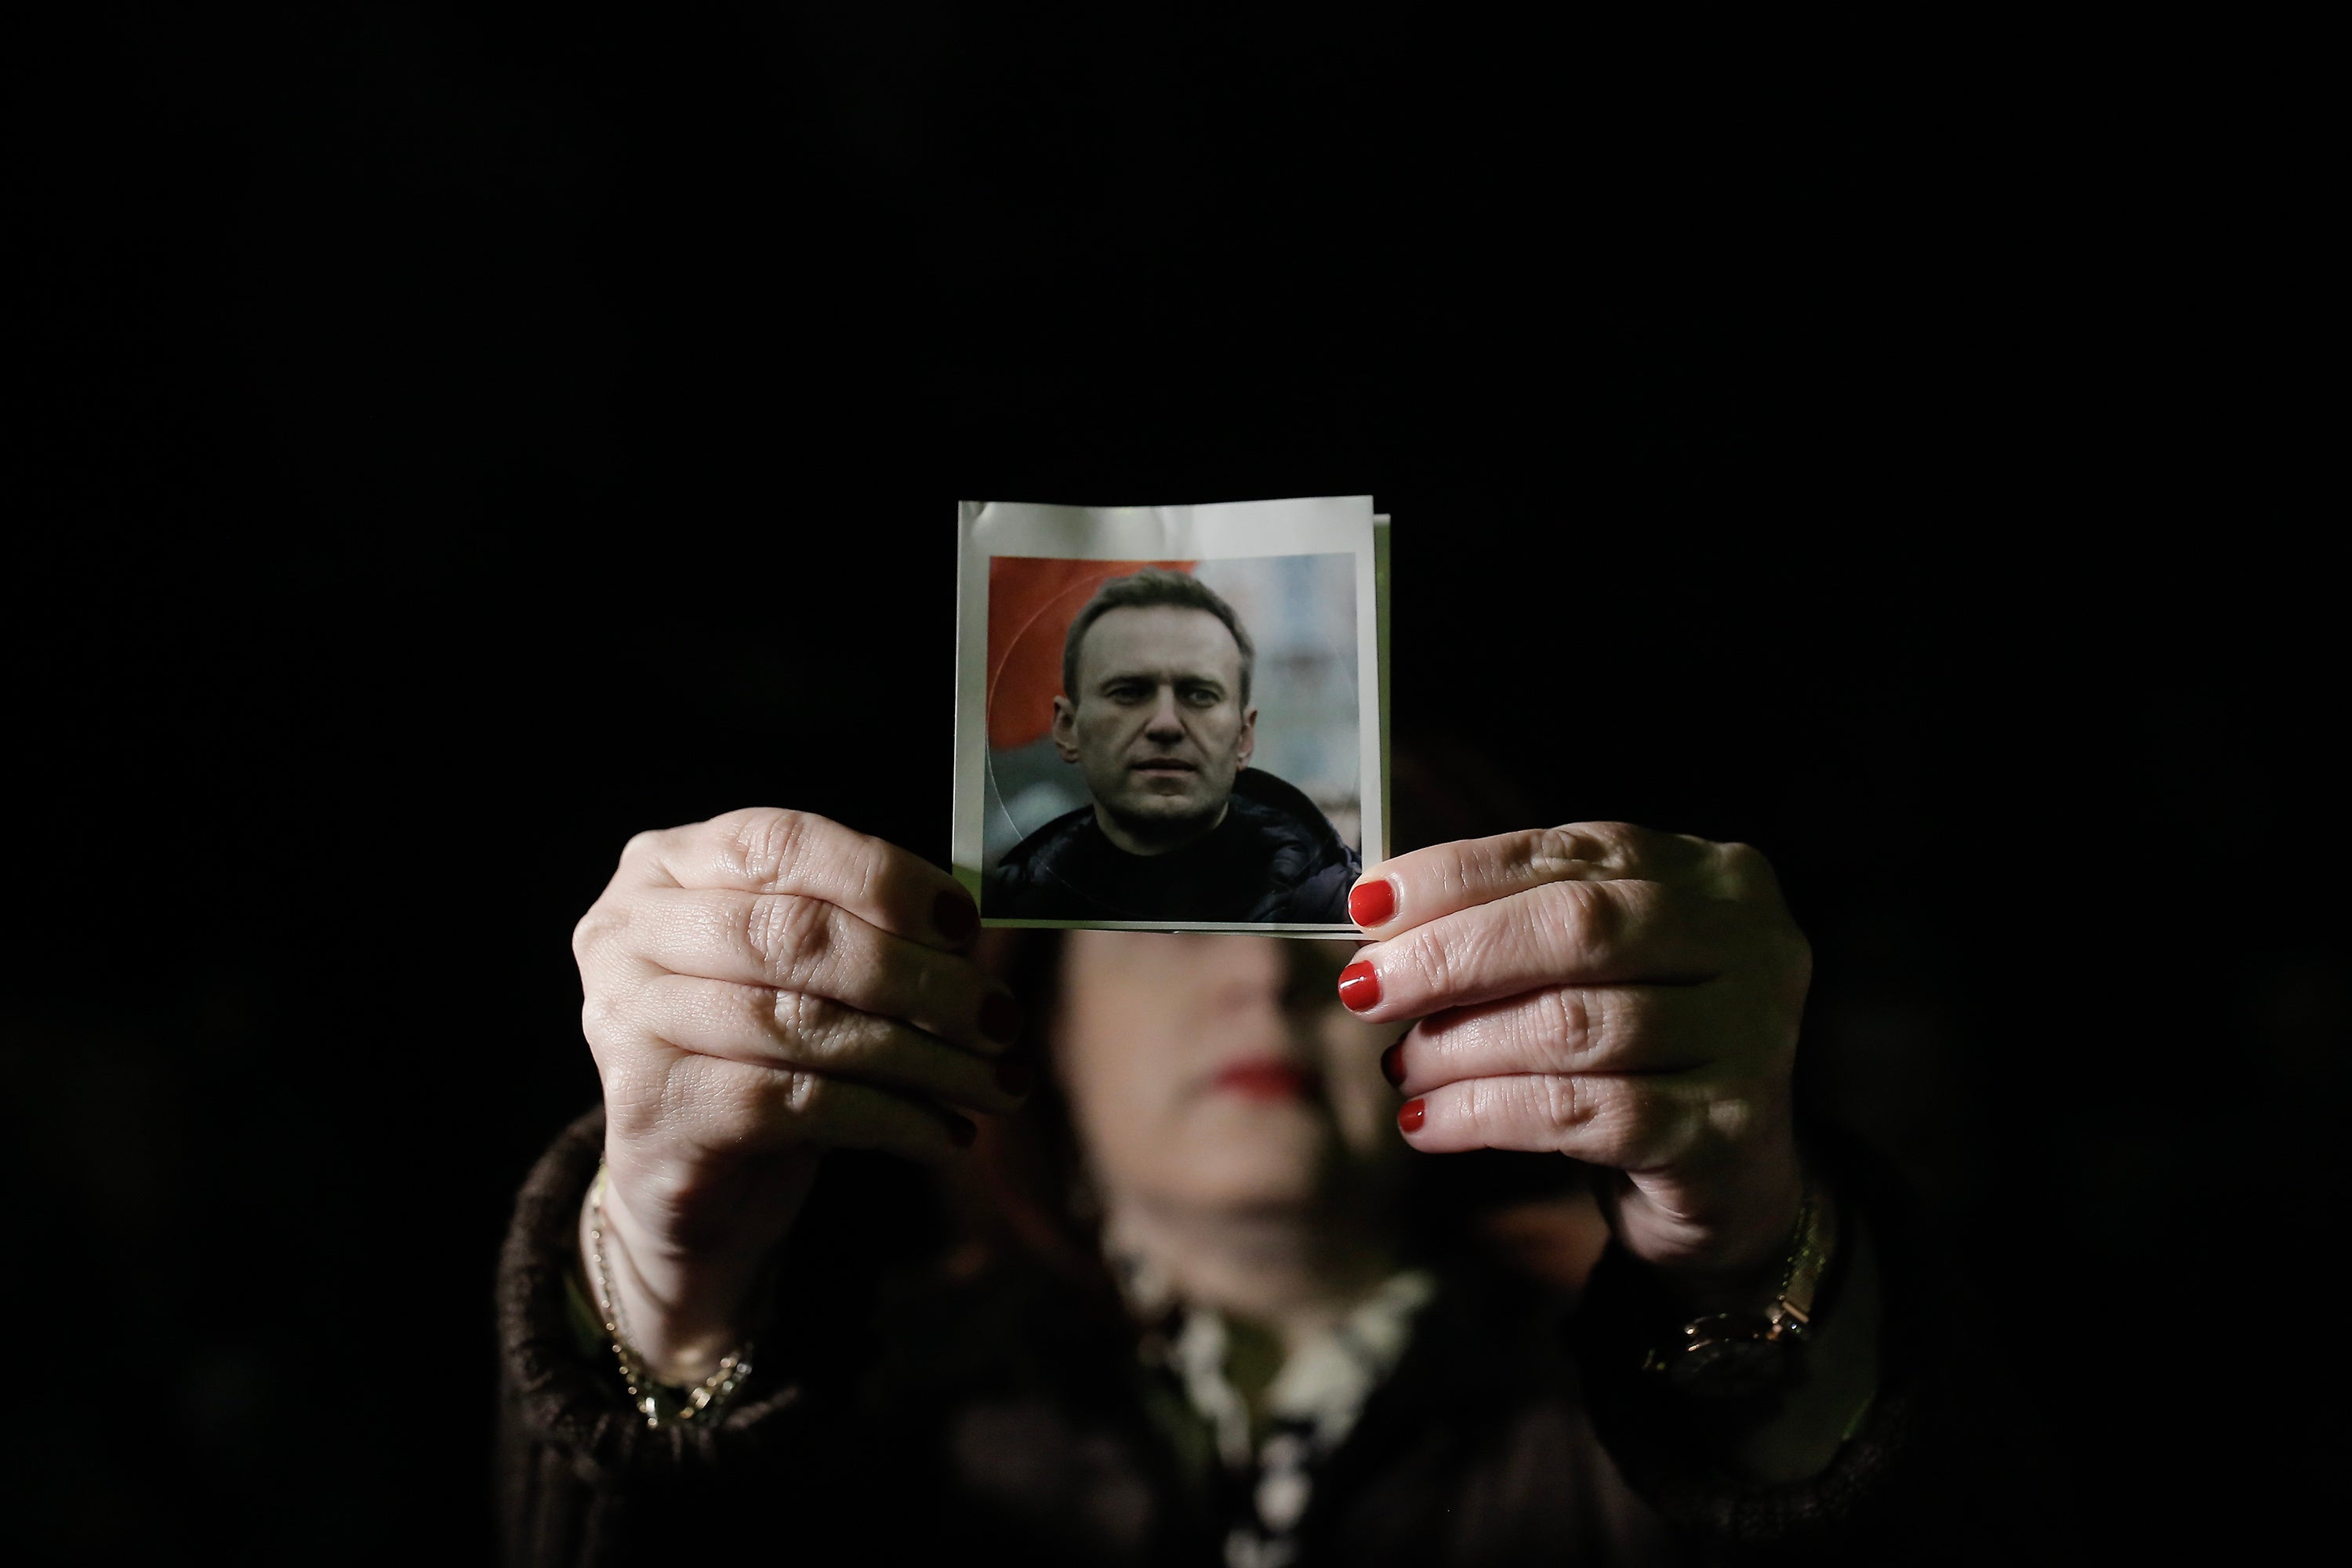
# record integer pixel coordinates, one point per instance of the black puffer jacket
(1274, 859)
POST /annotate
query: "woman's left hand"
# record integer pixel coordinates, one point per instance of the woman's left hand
(1628, 998)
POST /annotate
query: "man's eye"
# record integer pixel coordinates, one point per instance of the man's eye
(1201, 696)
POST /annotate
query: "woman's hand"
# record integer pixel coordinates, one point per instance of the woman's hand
(761, 987)
(1628, 998)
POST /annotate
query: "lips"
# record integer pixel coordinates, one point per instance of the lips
(1164, 766)
(1270, 1080)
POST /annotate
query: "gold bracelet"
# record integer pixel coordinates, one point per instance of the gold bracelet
(1739, 1354)
(655, 1400)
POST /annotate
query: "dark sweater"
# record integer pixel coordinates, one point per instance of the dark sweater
(1008, 1411)
(1273, 858)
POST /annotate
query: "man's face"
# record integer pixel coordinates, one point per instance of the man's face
(1156, 724)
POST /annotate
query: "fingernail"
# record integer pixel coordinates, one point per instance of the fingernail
(1410, 1115)
(963, 1132)
(1372, 903)
(1392, 1063)
(954, 916)
(1000, 1018)
(1013, 1075)
(1360, 986)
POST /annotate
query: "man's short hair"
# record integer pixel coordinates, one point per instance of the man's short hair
(1149, 589)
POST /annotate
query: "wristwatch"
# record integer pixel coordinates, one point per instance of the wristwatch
(1728, 1356)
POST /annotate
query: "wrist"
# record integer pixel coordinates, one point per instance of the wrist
(1754, 1342)
(1729, 1237)
(684, 1312)
(1789, 1423)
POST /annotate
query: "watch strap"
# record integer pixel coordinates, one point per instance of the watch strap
(1734, 1353)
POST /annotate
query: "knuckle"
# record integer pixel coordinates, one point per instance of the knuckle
(1567, 1020)
(1567, 1104)
(1434, 959)
(789, 1013)
(1552, 852)
(1745, 871)
(802, 1021)
(599, 1016)
(1742, 859)
(602, 918)
(872, 872)
(1601, 914)
(788, 935)
(646, 844)
(769, 846)
(1580, 913)
(1451, 874)
(1611, 844)
(804, 1097)
(1481, 1104)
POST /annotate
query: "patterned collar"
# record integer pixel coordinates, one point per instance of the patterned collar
(1307, 1411)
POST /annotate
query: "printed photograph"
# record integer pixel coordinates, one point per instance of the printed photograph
(1177, 741)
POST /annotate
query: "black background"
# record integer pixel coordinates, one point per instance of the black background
(448, 440)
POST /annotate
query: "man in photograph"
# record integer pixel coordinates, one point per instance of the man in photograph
(1155, 713)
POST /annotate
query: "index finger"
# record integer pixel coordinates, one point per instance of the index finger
(1409, 890)
(1620, 931)
(764, 849)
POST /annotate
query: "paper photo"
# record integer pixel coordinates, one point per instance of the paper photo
(1168, 718)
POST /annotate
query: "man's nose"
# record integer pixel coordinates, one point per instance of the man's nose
(1167, 724)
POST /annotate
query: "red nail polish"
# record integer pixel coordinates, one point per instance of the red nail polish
(1372, 903)
(1392, 1063)
(1360, 986)
(1013, 1075)
(1000, 1018)
(954, 916)
(1410, 1114)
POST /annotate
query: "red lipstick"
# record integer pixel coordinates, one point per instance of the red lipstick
(1270, 1080)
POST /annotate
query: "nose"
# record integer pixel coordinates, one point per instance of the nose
(1166, 724)
(1250, 980)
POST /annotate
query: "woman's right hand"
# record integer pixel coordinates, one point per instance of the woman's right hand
(760, 987)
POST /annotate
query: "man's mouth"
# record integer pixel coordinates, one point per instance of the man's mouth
(1164, 765)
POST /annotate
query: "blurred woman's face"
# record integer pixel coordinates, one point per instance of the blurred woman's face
(1218, 1071)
